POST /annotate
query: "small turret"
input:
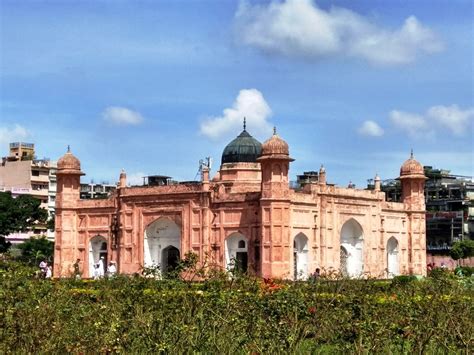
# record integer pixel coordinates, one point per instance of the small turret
(123, 179)
(377, 183)
(322, 175)
(275, 161)
(68, 179)
(413, 178)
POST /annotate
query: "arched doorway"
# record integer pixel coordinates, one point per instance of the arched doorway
(392, 258)
(162, 245)
(352, 241)
(98, 253)
(236, 252)
(300, 257)
(169, 259)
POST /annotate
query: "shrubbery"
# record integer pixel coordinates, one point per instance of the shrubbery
(233, 315)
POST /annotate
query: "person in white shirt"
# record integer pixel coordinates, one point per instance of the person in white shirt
(101, 267)
(112, 269)
(96, 274)
(49, 272)
(43, 265)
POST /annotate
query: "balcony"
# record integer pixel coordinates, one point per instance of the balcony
(40, 179)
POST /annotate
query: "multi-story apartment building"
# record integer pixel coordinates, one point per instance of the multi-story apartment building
(96, 191)
(22, 173)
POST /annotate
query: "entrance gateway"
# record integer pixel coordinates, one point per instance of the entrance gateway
(162, 245)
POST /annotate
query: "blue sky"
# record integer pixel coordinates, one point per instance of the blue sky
(155, 86)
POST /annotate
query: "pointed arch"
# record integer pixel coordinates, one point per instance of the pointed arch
(393, 265)
(300, 257)
(162, 244)
(352, 240)
(98, 253)
(236, 252)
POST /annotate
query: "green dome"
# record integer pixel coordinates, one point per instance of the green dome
(243, 149)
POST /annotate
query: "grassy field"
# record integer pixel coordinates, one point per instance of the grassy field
(239, 315)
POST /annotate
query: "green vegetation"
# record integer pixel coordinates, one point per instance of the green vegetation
(462, 249)
(18, 215)
(241, 314)
(35, 249)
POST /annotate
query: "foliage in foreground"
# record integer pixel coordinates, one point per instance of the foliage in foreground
(238, 315)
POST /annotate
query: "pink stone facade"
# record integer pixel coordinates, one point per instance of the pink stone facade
(247, 215)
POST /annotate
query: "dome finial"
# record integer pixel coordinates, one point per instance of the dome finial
(274, 130)
(68, 148)
(411, 153)
(245, 124)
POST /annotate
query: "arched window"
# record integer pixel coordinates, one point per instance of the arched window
(241, 244)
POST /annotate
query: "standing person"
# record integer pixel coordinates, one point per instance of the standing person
(112, 269)
(43, 265)
(96, 274)
(77, 271)
(49, 272)
(101, 267)
(317, 273)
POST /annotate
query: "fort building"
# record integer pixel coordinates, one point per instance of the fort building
(246, 216)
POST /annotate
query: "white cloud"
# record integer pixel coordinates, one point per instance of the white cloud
(371, 128)
(122, 116)
(299, 28)
(415, 125)
(451, 117)
(9, 135)
(436, 117)
(251, 104)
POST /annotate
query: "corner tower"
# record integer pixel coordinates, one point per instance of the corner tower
(275, 208)
(68, 178)
(412, 179)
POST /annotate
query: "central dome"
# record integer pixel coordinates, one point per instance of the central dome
(243, 149)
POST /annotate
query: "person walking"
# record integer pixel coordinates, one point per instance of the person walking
(77, 270)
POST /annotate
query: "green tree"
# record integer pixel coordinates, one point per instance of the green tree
(18, 215)
(462, 249)
(35, 249)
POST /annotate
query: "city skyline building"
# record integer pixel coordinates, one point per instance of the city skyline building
(22, 173)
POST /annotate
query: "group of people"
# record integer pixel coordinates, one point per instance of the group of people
(46, 271)
(99, 270)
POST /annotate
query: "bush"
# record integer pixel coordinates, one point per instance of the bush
(464, 271)
(232, 315)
